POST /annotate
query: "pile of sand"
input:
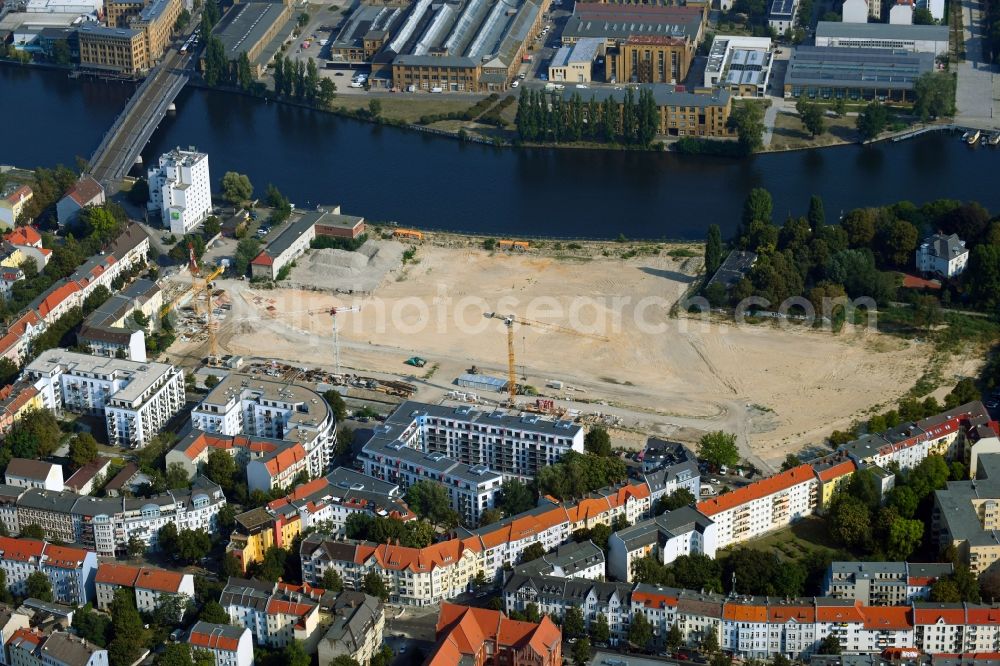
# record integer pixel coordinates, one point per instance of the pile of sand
(347, 272)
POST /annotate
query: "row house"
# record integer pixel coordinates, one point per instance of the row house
(71, 571)
(107, 524)
(570, 560)
(909, 443)
(763, 506)
(554, 596)
(260, 408)
(58, 648)
(275, 613)
(883, 583)
(231, 646)
(684, 531)
(151, 586)
(125, 253)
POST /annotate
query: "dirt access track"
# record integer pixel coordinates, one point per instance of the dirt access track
(779, 390)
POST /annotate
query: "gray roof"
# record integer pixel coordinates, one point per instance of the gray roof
(736, 267)
(664, 527)
(869, 569)
(153, 10)
(249, 593)
(943, 246)
(291, 233)
(664, 94)
(955, 507)
(571, 558)
(100, 323)
(48, 500)
(578, 26)
(659, 453)
(68, 649)
(333, 549)
(247, 26)
(216, 631)
(883, 69)
(837, 29)
(350, 479)
(142, 375)
(355, 616)
(572, 591)
(434, 61)
(97, 30)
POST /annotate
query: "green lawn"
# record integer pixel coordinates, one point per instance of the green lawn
(795, 542)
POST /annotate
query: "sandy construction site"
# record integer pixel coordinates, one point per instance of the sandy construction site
(779, 389)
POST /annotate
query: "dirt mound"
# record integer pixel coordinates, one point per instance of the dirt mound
(347, 272)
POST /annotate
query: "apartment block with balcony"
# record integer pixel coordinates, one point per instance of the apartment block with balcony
(883, 583)
(136, 399)
(684, 531)
(70, 571)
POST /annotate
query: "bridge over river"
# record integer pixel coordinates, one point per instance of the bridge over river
(122, 144)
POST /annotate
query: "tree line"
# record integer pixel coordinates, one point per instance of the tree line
(544, 118)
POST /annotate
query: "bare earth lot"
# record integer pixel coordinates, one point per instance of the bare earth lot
(781, 390)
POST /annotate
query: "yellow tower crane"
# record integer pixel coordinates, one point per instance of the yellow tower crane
(509, 320)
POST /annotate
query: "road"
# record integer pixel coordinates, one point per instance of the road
(978, 90)
(128, 139)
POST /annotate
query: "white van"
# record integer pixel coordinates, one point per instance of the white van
(437, 89)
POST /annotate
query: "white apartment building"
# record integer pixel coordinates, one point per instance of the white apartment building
(65, 649)
(150, 585)
(761, 507)
(136, 399)
(356, 630)
(106, 524)
(24, 473)
(180, 189)
(553, 595)
(942, 255)
(70, 571)
(232, 646)
(256, 407)
(275, 613)
(684, 531)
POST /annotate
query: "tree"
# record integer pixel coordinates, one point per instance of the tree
(713, 249)
(923, 16)
(719, 449)
(811, 115)
(573, 624)
(675, 500)
(597, 441)
(221, 468)
(490, 516)
(375, 108)
(139, 194)
(374, 585)
(748, 121)
(103, 222)
(710, 642)
(332, 581)
(126, 628)
(757, 212)
(216, 67)
(674, 638)
(95, 299)
(35, 435)
(214, 613)
(515, 497)
(934, 95)
(294, 654)
(640, 631)
(533, 552)
(192, 545)
(166, 538)
(82, 449)
(344, 660)
(581, 651)
(92, 626)
(872, 121)
(32, 531)
(38, 586)
(236, 187)
(945, 591)
(829, 645)
(850, 522)
(600, 630)
(430, 500)
(135, 548)
(337, 404)
(280, 204)
(246, 251)
(326, 93)
(175, 654)
(183, 19)
(791, 461)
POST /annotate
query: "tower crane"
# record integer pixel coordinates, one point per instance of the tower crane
(196, 289)
(509, 320)
(333, 312)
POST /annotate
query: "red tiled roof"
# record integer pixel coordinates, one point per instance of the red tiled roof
(982, 616)
(111, 573)
(467, 630)
(213, 641)
(783, 614)
(754, 491)
(263, 259)
(651, 600)
(18, 194)
(285, 459)
(57, 296)
(932, 615)
(159, 580)
(840, 613)
(280, 607)
(64, 557)
(84, 191)
(887, 617)
(23, 236)
(18, 329)
(26, 636)
(745, 612)
(20, 550)
(836, 471)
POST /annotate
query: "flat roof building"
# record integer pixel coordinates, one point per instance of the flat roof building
(290, 244)
(121, 50)
(741, 65)
(250, 27)
(862, 73)
(782, 15)
(918, 38)
(574, 62)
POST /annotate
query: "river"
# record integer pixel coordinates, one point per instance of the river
(387, 174)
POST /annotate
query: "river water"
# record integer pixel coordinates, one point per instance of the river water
(387, 174)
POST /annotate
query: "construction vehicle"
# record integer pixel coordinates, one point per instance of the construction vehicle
(509, 321)
(416, 361)
(407, 234)
(520, 246)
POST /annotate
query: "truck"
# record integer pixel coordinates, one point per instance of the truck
(416, 361)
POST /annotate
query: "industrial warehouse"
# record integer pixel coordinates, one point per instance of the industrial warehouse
(461, 46)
